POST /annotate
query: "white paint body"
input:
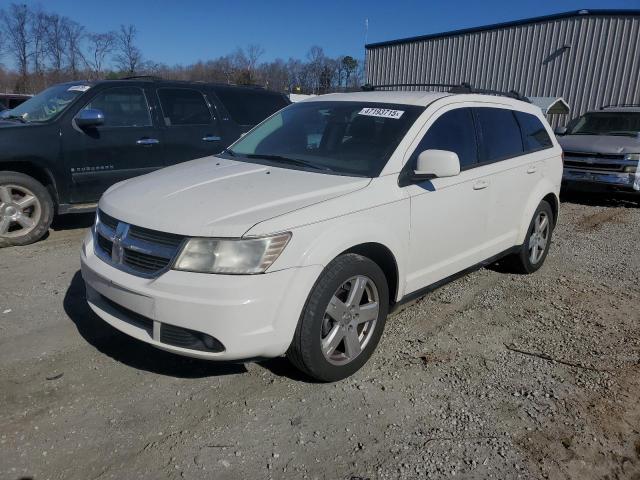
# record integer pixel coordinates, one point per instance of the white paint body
(432, 235)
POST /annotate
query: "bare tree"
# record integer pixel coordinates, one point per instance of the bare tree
(55, 44)
(100, 46)
(129, 57)
(16, 27)
(37, 34)
(254, 52)
(73, 34)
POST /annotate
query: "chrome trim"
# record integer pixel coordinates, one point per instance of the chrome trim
(122, 241)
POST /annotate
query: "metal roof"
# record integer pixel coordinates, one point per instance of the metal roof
(545, 18)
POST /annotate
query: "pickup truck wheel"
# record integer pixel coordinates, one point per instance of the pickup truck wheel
(26, 209)
(536, 244)
(343, 319)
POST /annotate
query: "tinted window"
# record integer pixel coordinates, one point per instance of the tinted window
(501, 136)
(250, 107)
(350, 138)
(534, 135)
(182, 106)
(122, 107)
(453, 131)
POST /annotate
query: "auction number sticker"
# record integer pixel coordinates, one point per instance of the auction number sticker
(381, 112)
(79, 88)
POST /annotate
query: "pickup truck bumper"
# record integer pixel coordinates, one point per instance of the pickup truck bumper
(595, 179)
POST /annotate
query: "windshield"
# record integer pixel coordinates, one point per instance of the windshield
(606, 123)
(47, 104)
(347, 138)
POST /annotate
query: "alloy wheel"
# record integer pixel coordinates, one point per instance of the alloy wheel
(539, 237)
(20, 211)
(349, 320)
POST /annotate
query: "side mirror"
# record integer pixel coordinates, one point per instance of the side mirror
(91, 117)
(437, 163)
(560, 131)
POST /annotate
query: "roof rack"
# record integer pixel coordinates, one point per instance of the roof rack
(463, 87)
(620, 105)
(141, 77)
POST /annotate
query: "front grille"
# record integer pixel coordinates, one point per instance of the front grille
(608, 167)
(136, 250)
(144, 262)
(191, 339)
(604, 156)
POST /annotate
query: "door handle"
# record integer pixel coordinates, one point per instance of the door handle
(148, 141)
(210, 138)
(480, 184)
(532, 169)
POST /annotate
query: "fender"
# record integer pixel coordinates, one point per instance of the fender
(36, 168)
(543, 188)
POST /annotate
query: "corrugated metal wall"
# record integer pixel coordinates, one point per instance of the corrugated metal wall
(589, 60)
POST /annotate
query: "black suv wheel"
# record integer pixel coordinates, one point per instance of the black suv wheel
(26, 209)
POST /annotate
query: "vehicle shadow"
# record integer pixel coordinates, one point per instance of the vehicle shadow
(130, 351)
(72, 222)
(601, 199)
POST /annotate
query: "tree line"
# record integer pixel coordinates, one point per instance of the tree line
(46, 48)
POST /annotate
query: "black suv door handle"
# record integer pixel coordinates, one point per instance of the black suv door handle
(210, 138)
(148, 141)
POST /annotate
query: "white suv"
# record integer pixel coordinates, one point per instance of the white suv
(309, 230)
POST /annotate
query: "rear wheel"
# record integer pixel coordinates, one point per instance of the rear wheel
(536, 244)
(343, 319)
(26, 209)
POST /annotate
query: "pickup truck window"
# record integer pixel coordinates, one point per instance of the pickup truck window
(46, 105)
(183, 106)
(606, 123)
(348, 138)
(122, 107)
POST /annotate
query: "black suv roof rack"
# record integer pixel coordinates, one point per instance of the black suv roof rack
(463, 87)
(620, 105)
(141, 77)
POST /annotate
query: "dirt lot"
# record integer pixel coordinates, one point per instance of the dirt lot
(493, 376)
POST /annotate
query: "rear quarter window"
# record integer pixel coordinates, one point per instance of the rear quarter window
(534, 135)
(500, 133)
(247, 107)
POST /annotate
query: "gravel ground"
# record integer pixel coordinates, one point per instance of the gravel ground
(492, 376)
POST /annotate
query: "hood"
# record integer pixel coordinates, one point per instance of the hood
(216, 197)
(606, 144)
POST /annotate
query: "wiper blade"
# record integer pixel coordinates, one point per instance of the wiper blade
(229, 152)
(292, 161)
(14, 117)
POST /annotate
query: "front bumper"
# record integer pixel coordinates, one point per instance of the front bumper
(253, 316)
(614, 180)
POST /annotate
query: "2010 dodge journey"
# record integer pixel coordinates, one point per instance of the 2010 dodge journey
(302, 236)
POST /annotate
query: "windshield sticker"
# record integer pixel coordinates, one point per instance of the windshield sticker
(381, 112)
(79, 88)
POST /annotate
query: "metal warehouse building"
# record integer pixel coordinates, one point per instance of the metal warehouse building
(590, 58)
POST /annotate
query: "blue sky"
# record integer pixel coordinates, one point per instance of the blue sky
(184, 31)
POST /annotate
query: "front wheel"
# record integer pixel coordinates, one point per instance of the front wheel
(343, 319)
(26, 209)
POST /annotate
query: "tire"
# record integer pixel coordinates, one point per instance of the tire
(26, 209)
(351, 321)
(524, 261)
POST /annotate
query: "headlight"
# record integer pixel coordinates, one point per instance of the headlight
(632, 156)
(231, 256)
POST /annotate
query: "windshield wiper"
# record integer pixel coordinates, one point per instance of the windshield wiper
(229, 152)
(292, 161)
(14, 117)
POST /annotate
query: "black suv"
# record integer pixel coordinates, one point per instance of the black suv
(60, 150)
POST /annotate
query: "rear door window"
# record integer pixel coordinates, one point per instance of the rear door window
(500, 134)
(183, 106)
(250, 107)
(534, 135)
(453, 131)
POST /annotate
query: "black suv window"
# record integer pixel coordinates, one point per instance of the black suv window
(454, 132)
(501, 136)
(250, 107)
(122, 107)
(534, 135)
(183, 106)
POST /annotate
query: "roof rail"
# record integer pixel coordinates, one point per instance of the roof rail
(455, 88)
(620, 105)
(141, 77)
